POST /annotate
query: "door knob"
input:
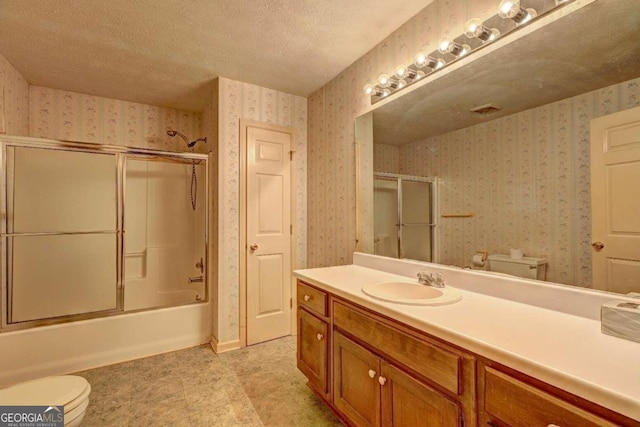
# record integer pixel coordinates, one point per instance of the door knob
(598, 246)
(253, 247)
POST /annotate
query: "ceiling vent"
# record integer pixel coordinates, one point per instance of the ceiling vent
(486, 109)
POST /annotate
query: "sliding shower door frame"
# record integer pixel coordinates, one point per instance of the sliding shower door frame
(121, 153)
(433, 202)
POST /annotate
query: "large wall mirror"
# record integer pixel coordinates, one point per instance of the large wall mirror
(519, 177)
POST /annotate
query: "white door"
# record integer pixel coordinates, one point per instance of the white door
(268, 234)
(615, 201)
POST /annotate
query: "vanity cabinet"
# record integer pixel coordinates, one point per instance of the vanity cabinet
(314, 333)
(377, 372)
(372, 392)
(511, 399)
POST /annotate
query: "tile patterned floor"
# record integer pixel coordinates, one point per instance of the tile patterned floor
(254, 386)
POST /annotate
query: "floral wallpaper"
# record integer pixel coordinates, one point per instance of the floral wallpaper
(60, 114)
(238, 100)
(386, 158)
(333, 109)
(14, 100)
(526, 178)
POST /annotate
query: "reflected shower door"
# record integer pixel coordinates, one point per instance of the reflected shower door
(385, 216)
(416, 225)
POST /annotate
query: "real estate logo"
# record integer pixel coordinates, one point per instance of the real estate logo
(31, 416)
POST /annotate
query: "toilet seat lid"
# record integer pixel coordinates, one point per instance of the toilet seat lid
(63, 390)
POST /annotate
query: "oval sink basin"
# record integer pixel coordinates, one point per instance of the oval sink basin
(412, 293)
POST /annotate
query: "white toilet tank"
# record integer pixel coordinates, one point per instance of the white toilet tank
(527, 267)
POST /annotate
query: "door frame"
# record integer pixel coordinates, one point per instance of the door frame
(244, 125)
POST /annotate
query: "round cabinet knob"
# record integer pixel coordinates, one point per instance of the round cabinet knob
(319, 336)
(372, 373)
(553, 425)
(598, 246)
(253, 247)
(382, 380)
(307, 297)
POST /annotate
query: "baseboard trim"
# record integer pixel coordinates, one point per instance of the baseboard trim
(222, 347)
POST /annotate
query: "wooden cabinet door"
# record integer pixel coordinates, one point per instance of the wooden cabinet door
(407, 402)
(356, 387)
(313, 350)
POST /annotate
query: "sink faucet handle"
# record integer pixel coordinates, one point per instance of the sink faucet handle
(439, 280)
(424, 277)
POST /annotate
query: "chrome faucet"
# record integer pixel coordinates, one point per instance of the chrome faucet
(436, 280)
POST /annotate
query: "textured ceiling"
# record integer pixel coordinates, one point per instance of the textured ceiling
(163, 52)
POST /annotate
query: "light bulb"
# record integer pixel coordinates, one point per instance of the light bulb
(508, 8)
(446, 45)
(471, 27)
(369, 89)
(511, 9)
(385, 93)
(474, 28)
(420, 59)
(401, 71)
(420, 74)
(402, 83)
(383, 80)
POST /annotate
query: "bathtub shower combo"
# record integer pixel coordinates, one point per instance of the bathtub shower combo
(92, 230)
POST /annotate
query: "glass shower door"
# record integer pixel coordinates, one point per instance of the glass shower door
(416, 220)
(61, 234)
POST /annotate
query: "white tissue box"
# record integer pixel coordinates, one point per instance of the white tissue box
(621, 319)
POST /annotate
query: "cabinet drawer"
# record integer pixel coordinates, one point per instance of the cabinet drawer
(312, 298)
(437, 364)
(518, 404)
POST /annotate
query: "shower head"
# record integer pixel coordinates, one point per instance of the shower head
(173, 133)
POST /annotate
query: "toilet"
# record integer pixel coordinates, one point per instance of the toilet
(527, 267)
(70, 391)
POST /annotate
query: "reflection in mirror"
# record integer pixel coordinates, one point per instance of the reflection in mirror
(520, 177)
(403, 216)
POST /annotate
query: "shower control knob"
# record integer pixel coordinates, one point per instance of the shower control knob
(253, 247)
(598, 246)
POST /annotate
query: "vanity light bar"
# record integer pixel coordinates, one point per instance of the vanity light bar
(475, 29)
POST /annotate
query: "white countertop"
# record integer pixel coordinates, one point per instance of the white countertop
(565, 350)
